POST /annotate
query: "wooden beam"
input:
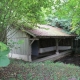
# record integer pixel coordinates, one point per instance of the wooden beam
(28, 32)
(54, 57)
(34, 39)
(29, 52)
(32, 42)
(57, 49)
(72, 43)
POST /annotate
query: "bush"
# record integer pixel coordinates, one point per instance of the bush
(4, 50)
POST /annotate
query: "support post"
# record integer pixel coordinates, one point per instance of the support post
(57, 48)
(29, 53)
(72, 44)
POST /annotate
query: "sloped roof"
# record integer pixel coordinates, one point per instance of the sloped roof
(48, 31)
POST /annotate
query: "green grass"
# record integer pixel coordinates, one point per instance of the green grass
(48, 70)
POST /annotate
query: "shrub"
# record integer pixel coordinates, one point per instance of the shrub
(4, 50)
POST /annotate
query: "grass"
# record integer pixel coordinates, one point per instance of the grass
(20, 70)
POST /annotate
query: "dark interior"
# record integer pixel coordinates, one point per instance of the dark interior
(47, 42)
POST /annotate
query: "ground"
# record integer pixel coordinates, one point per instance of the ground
(49, 70)
(71, 59)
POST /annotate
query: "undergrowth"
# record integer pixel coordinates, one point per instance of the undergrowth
(48, 70)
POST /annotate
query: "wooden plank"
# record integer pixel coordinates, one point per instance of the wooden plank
(54, 57)
(53, 48)
(33, 39)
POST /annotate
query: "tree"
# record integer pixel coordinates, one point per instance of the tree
(19, 13)
(69, 9)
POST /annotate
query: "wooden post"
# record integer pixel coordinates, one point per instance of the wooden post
(57, 49)
(29, 51)
(72, 43)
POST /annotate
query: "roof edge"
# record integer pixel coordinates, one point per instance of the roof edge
(28, 32)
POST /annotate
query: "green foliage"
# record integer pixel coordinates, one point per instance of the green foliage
(4, 61)
(22, 11)
(65, 24)
(3, 46)
(69, 9)
(4, 50)
(43, 71)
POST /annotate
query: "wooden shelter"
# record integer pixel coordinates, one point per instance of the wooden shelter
(43, 42)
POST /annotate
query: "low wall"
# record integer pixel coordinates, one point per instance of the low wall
(47, 49)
